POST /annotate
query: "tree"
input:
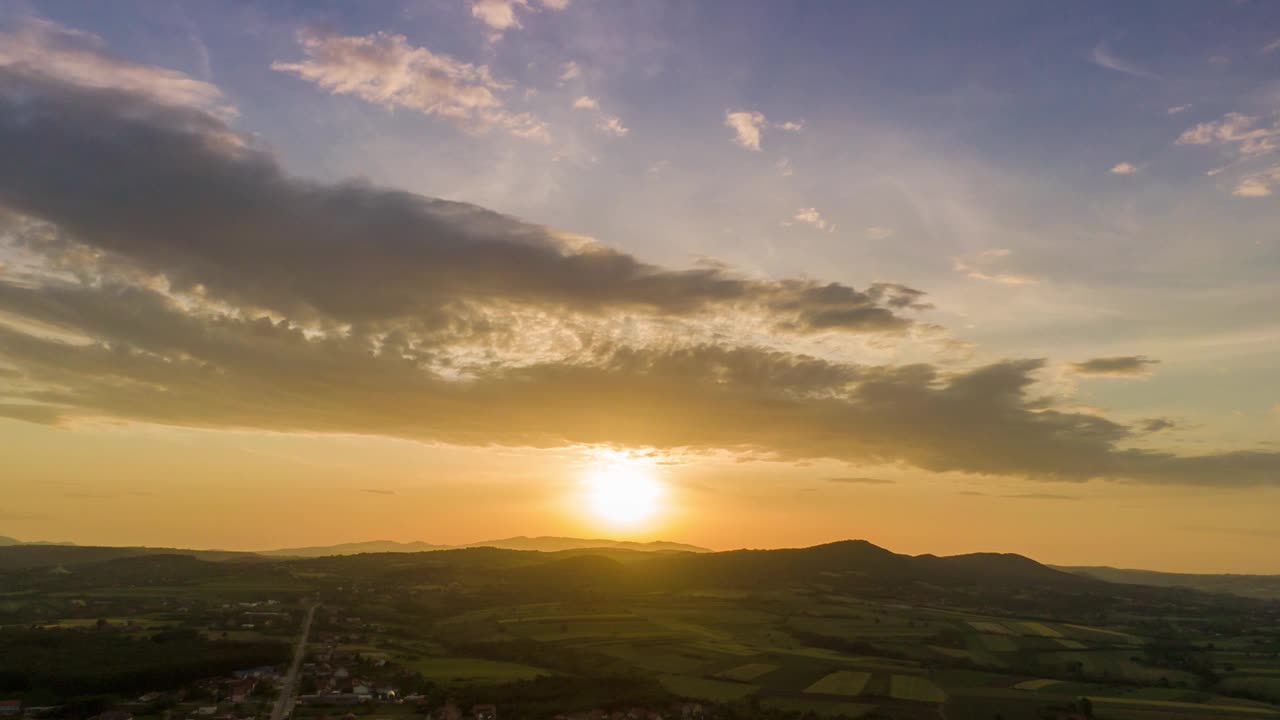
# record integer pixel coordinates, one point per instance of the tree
(1086, 707)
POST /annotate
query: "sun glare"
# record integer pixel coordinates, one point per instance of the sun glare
(623, 493)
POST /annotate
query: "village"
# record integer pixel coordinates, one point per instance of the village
(344, 674)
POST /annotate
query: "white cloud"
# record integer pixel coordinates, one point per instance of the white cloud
(500, 15)
(1238, 130)
(878, 232)
(784, 167)
(75, 57)
(1179, 109)
(1246, 141)
(385, 69)
(1103, 57)
(811, 216)
(1252, 187)
(1272, 46)
(605, 122)
(569, 71)
(791, 125)
(1124, 168)
(746, 126)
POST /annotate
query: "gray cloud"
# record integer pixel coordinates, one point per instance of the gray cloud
(173, 190)
(1153, 425)
(175, 236)
(153, 362)
(1117, 366)
(1041, 496)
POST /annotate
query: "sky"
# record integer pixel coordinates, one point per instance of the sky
(950, 278)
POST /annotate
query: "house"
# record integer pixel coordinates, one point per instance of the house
(241, 690)
(207, 711)
(10, 708)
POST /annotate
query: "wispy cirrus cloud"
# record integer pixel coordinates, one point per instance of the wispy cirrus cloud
(1103, 57)
(983, 266)
(1247, 140)
(78, 57)
(386, 70)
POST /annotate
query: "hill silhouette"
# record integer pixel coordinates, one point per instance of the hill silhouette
(520, 542)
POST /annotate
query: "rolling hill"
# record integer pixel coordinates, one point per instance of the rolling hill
(1265, 587)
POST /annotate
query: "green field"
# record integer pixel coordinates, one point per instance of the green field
(473, 670)
(834, 645)
(705, 689)
(747, 673)
(841, 682)
(912, 687)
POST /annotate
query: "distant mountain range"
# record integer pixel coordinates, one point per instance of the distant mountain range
(8, 541)
(572, 562)
(18, 554)
(539, 544)
(674, 560)
(1254, 586)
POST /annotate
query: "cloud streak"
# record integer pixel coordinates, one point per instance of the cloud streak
(1116, 366)
(386, 70)
(1103, 57)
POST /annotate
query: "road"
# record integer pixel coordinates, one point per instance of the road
(284, 703)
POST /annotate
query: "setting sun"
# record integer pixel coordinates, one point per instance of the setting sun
(622, 493)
